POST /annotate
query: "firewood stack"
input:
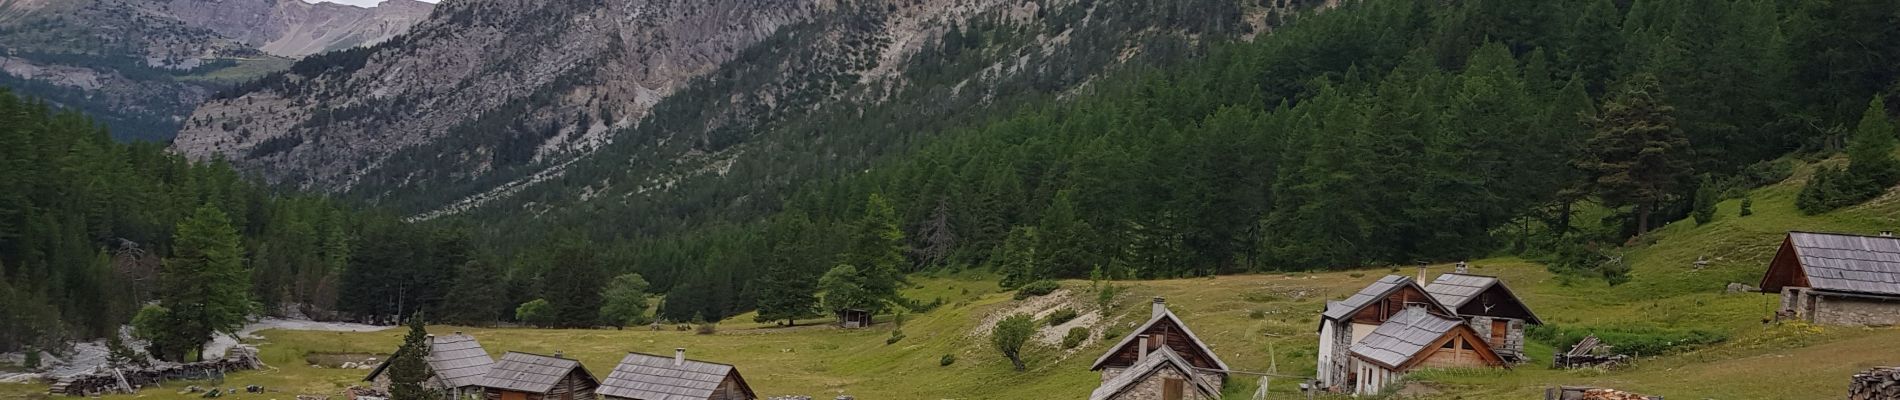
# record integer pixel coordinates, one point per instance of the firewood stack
(1880, 383)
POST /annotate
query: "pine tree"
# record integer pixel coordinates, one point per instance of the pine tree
(1870, 152)
(205, 289)
(1705, 198)
(876, 250)
(1062, 239)
(572, 284)
(1020, 262)
(1637, 155)
(787, 290)
(473, 299)
(408, 369)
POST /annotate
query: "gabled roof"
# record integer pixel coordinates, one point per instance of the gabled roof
(651, 377)
(532, 373)
(1157, 360)
(1839, 262)
(1167, 315)
(1371, 294)
(458, 360)
(1398, 340)
(1454, 290)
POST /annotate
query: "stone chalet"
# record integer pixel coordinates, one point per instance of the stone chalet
(1836, 279)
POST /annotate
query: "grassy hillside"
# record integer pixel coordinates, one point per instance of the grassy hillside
(1243, 317)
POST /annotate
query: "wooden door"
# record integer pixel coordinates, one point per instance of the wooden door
(1499, 330)
(1172, 388)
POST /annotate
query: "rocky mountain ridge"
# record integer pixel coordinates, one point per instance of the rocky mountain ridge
(142, 65)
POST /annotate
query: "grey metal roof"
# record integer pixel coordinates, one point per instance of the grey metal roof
(1852, 263)
(532, 373)
(1453, 290)
(1403, 336)
(651, 377)
(1168, 315)
(459, 360)
(1156, 360)
(1371, 293)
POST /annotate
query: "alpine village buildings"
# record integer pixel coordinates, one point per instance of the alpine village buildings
(1394, 326)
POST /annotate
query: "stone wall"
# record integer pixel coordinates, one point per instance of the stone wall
(1513, 347)
(1150, 389)
(1831, 310)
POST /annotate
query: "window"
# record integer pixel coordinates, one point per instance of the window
(1171, 389)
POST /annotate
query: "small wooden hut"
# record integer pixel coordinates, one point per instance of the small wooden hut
(523, 376)
(854, 318)
(642, 376)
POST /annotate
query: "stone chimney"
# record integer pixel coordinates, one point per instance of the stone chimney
(1421, 273)
(1463, 268)
(1161, 306)
(558, 354)
(1142, 354)
(1886, 234)
(679, 356)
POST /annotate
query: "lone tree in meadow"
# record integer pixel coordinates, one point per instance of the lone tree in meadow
(626, 302)
(1009, 336)
(408, 370)
(205, 289)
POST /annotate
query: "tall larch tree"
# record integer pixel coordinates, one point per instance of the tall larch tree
(204, 282)
(1637, 156)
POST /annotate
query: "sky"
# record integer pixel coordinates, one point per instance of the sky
(363, 3)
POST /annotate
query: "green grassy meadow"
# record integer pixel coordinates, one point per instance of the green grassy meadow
(1252, 321)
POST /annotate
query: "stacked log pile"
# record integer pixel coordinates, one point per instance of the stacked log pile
(1881, 383)
(109, 381)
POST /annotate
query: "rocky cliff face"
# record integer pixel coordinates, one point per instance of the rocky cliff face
(489, 99)
(515, 80)
(142, 65)
(293, 28)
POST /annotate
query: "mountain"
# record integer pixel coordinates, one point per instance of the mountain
(141, 65)
(488, 98)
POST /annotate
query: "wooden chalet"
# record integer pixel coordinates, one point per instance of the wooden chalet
(523, 376)
(456, 363)
(1161, 374)
(1346, 322)
(1416, 338)
(642, 376)
(1489, 307)
(1164, 330)
(1836, 279)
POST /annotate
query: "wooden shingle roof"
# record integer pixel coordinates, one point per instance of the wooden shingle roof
(1837, 262)
(651, 377)
(1404, 336)
(1162, 358)
(532, 373)
(1370, 293)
